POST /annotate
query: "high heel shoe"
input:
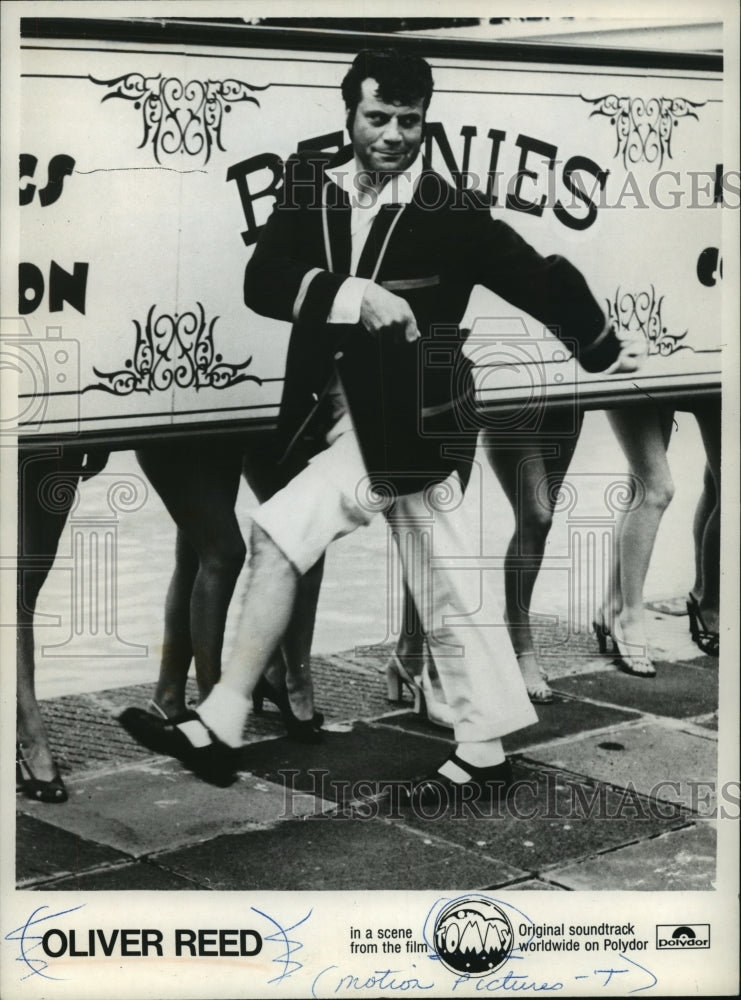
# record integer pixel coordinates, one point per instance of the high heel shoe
(602, 632)
(703, 637)
(397, 679)
(536, 680)
(33, 787)
(301, 730)
(636, 664)
(426, 693)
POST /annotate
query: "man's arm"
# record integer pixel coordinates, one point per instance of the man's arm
(280, 284)
(277, 281)
(550, 289)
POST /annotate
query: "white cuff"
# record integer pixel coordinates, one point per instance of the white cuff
(302, 290)
(346, 305)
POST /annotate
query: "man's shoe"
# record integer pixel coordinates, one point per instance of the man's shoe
(187, 739)
(484, 787)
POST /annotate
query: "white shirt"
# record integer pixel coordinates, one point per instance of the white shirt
(364, 207)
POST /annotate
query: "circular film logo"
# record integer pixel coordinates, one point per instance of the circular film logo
(473, 936)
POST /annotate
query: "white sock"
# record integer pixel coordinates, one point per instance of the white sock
(225, 713)
(486, 754)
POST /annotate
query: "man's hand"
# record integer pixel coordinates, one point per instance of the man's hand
(632, 355)
(383, 312)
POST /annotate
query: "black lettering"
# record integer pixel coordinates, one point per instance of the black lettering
(60, 166)
(239, 172)
(74, 953)
(152, 939)
(227, 940)
(730, 188)
(206, 940)
(46, 945)
(185, 939)
(572, 166)
(718, 189)
(256, 947)
(496, 137)
(107, 946)
(129, 943)
(30, 288)
(529, 145)
(66, 287)
(707, 266)
(27, 169)
(435, 132)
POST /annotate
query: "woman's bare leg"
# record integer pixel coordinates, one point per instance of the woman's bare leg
(707, 520)
(198, 484)
(47, 484)
(643, 433)
(290, 664)
(531, 476)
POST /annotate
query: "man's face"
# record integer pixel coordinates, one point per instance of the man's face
(385, 137)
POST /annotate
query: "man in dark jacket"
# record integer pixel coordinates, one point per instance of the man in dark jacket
(373, 257)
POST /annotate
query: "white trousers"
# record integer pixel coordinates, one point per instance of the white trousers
(476, 664)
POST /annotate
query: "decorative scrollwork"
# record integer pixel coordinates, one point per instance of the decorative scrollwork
(644, 127)
(174, 350)
(179, 117)
(640, 312)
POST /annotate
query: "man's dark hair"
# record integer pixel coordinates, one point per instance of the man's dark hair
(401, 78)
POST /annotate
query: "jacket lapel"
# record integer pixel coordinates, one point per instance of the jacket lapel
(378, 237)
(336, 226)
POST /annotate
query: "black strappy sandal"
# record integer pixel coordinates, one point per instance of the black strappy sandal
(703, 637)
(33, 787)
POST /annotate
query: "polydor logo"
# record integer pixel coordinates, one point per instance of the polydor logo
(683, 937)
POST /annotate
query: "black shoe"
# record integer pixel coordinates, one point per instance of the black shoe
(703, 637)
(187, 739)
(301, 730)
(485, 787)
(33, 787)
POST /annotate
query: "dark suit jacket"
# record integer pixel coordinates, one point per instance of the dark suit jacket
(411, 404)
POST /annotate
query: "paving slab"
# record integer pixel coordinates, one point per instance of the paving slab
(139, 875)
(337, 854)
(347, 690)
(680, 689)
(654, 758)
(682, 860)
(45, 851)
(565, 715)
(84, 734)
(549, 815)
(160, 805)
(708, 721)
(333, 769)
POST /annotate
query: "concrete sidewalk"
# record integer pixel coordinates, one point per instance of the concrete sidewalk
(615, 791)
